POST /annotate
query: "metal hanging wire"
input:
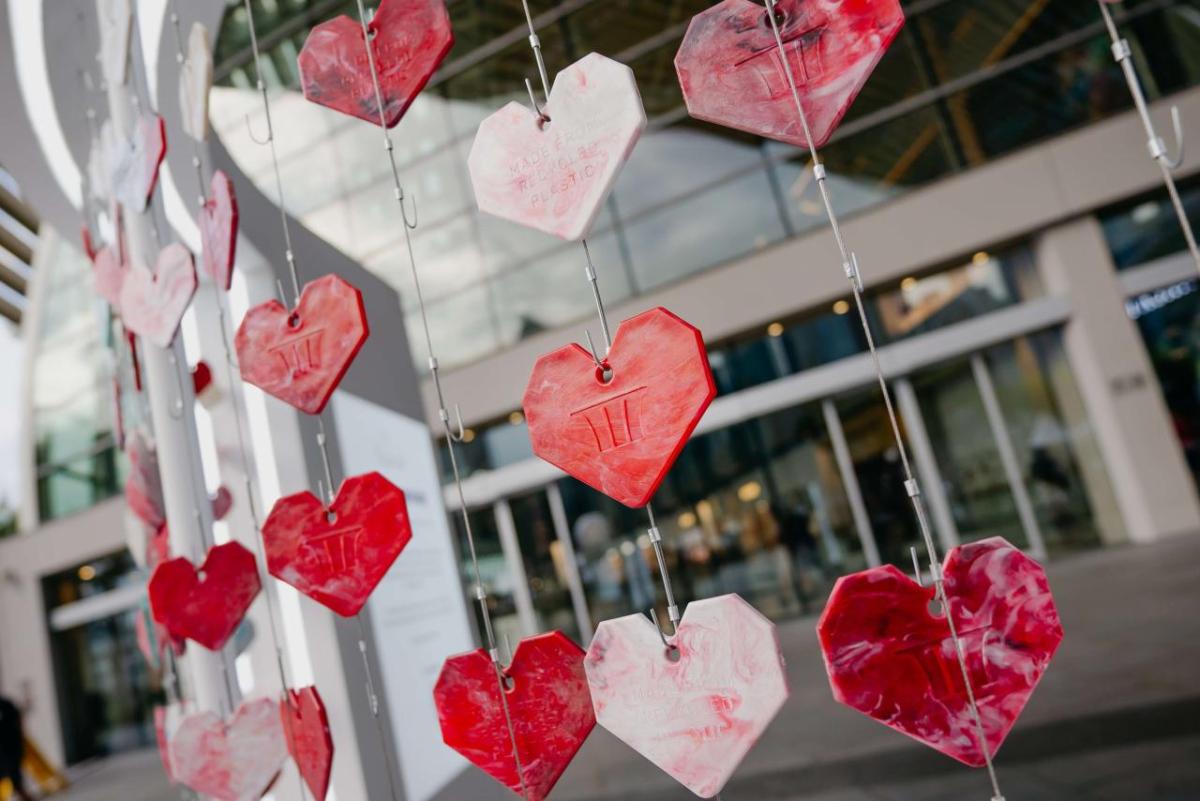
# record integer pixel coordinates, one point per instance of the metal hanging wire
(535, 43)
(457, 433)
(1123, 55)
(850, 266)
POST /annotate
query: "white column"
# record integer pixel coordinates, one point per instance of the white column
(858, 509)
(930, 476)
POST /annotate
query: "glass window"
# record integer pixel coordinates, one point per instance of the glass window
(497, 579)
(545, 564)
(1147, 228)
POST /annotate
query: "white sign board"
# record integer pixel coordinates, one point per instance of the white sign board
(418, 612)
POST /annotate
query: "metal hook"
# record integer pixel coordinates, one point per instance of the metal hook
(1172, 162)
(592, 348)
(542, 115)
(175, 410)
(404, 210)
(916, 565)
(260, 142)
(654, 617)
(455, 436)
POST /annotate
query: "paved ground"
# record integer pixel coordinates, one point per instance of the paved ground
(1116, 718)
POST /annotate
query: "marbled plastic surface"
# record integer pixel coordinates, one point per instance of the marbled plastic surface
(234, 761)
(306, 729)
(164, 730)
(731, 72)
(621, 437)
(135, 163)
(554, 177)
(195, 81)
(205, 605)
(152, 305)
(548, 701)
(696, 717)
(409, 40)
(218, 224)
(889, 658)
(108, 273)
(336, 555)
(301, 356)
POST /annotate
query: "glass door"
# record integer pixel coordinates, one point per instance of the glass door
(547, 564)
(494, 571)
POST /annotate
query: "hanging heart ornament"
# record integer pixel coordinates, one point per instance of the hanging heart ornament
(548, 703)
(195, 82)
(166, 722)
(890, 658)
(731, 72)
(554, 174)
(135, 163)
(336, 555)
(408, 39)
(619, 428)
(234, 761)
(153, 304)
(108, 273)
(306, 730)
(205, 605)
(218, 224)
(300, 356)
(694, 710)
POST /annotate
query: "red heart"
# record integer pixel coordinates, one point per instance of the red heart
(731, 73)
(109, 274)
(206, 606)
(143, 486)
(548, 702)
(306, 728)
(409, 39)
(218, 224)
(555, 176)
(135, 173)
(237, 761)
(889, 658)
(336, 555)
(153, 304)
(301, 356)
(621, 437)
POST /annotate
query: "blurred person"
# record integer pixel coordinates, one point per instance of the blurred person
(12, 748)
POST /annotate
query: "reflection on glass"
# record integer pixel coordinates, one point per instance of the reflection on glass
(493, 570)
(1055, 447)
(981, 500)
(1147, 228)
(545, 564)
(880, 475)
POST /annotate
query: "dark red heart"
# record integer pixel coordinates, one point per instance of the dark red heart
(234, 761)
(889, 658)
(731, 73)
(136, 172)
(301, 356)
(336, 555)
(306, 729)
(621, 436)
(548, 701)
(153, 304)
(205, 605)
(409, 39)
(218, 224)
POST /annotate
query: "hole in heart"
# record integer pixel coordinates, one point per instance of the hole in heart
(935, 608)
(200, 576)
(330, 516)
(543, 122)
(372, 32)
(672, 653)
(780, 18)
(509, 682)
(294, 320)
(604, 374)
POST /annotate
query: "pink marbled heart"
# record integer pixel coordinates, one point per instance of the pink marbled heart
(109, 276)
(555, 176)
(153, 304)
(696, 717)
(235, 761)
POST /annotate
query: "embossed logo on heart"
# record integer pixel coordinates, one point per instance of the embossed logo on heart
(218, 224)
(621, 435)
(553, 176)
(234, 761)
(889, 658)
(205, 605)
(697, 709)
(136, 163)
(301, 356)
(731, 72)
(153, 304)
(409, 39)
(548, 701)
(336, 555)
(306, 728)
(195, 81)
